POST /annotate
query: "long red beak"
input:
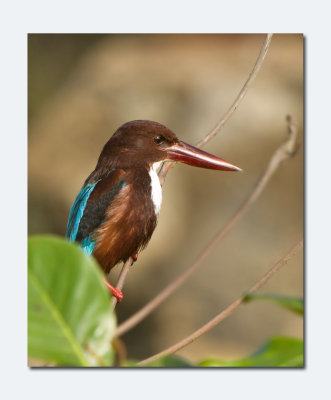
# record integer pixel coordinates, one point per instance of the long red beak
(191, 155)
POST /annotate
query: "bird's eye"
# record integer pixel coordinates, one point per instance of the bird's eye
(159, 139)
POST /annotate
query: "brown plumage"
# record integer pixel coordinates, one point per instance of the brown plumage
(129, 223)
(116, 211)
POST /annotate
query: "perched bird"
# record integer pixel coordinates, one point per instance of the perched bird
(116, 211)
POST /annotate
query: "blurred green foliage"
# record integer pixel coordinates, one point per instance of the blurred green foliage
(290, 303)
(277, 352)
(71, 322)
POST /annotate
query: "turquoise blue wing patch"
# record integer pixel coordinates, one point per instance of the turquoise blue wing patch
(89, 210)
(88, 245)
(77, 211)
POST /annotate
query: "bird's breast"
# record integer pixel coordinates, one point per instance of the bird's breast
(130, 218)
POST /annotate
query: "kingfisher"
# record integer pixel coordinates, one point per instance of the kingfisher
(116, 211)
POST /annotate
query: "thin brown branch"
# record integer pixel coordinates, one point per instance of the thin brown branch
(281, 154)
(226, 312)
(167, 166)
(259, 61)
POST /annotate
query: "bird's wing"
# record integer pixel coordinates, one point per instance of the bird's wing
(88, 211)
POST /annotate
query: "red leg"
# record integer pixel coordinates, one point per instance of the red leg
(115, 292)
(134, 257)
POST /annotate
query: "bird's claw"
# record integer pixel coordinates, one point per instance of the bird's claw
(115, 292)
(118, 294)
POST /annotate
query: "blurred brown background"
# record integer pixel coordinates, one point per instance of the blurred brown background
(83, 87)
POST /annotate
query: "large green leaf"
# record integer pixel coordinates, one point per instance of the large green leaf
(294, 304)
(70, 321)
(277, 352)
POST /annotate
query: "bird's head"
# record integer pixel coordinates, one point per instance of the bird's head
(143, 142)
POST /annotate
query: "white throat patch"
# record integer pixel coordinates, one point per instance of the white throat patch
(156, 187)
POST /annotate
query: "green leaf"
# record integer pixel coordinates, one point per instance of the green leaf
(70, 321)
(277, 352)
(169, 361)
(294, 304)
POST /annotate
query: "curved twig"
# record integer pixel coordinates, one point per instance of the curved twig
(229, 310)
(168, 165)
(285, 151)
(259, 61)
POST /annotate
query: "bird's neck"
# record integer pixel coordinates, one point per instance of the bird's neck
(156, 189)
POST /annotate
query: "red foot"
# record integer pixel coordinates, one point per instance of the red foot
(115, 292)
(134, 257)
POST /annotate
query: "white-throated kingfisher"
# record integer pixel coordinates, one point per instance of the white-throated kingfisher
(116, 211)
